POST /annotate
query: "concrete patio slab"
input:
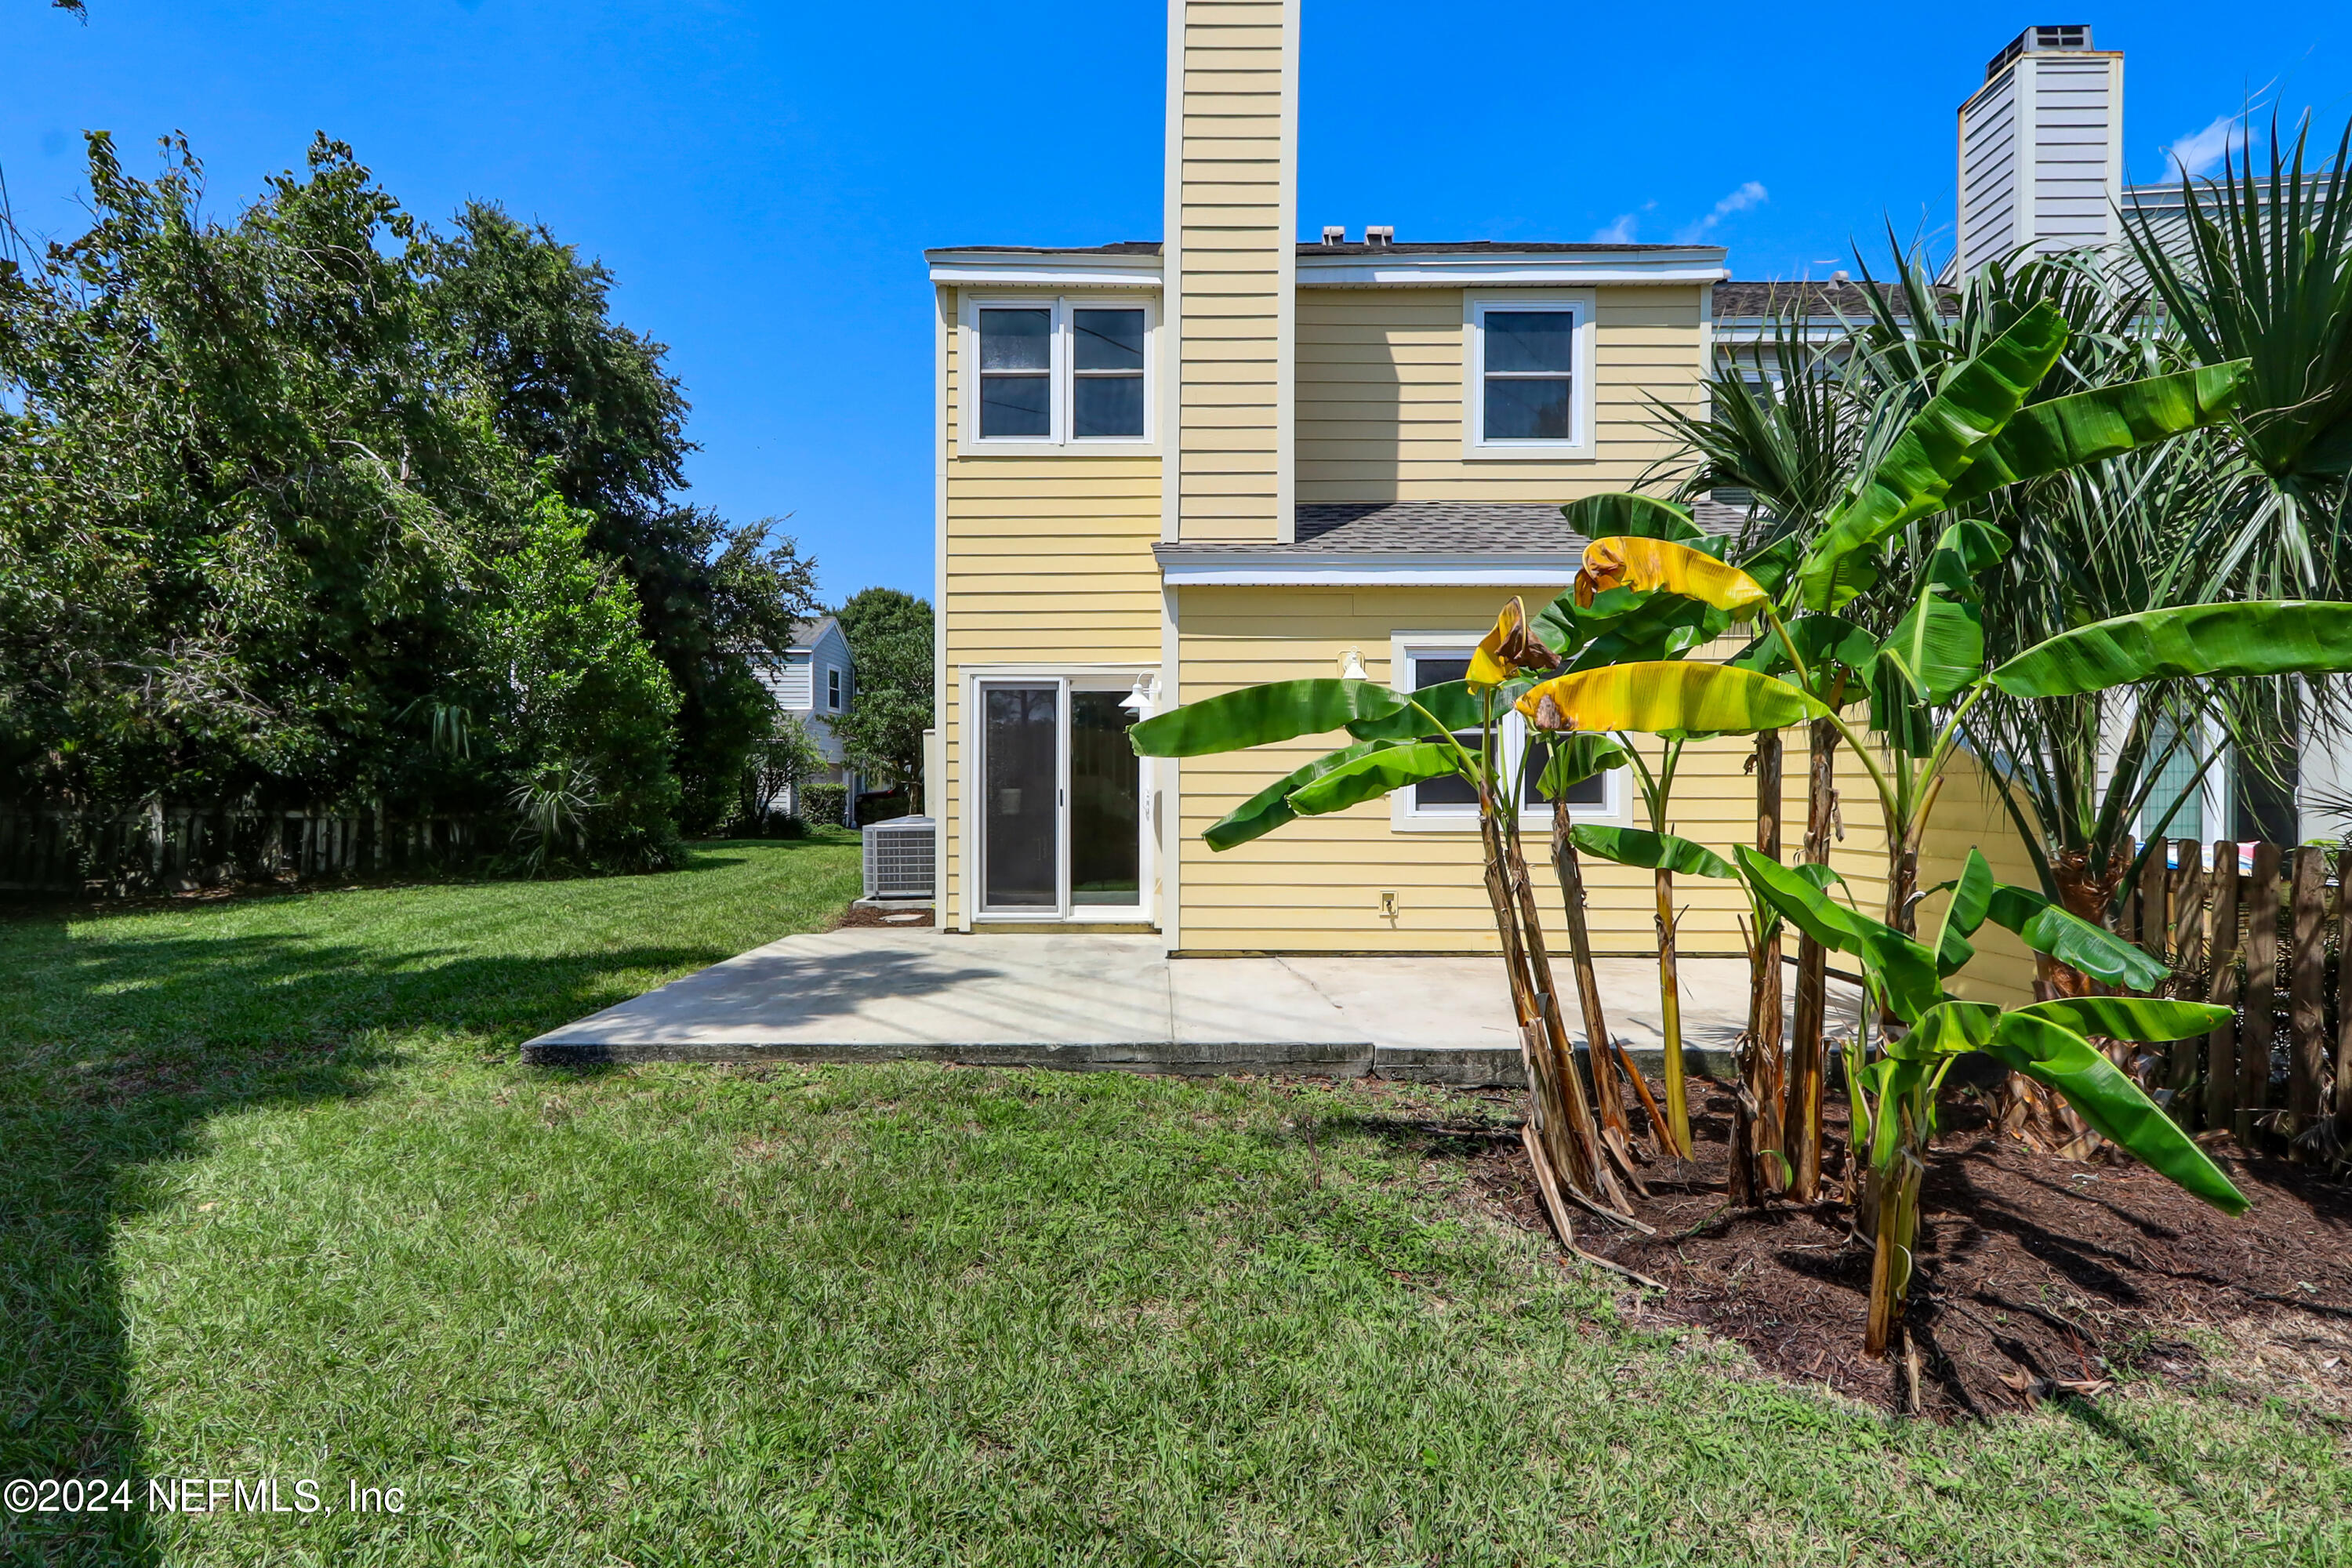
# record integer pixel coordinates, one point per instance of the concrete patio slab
(1119, 1002)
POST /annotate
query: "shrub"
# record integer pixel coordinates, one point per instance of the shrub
(824, 805)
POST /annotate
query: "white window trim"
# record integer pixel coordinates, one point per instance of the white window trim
(833, 689)
(1406, 817)
(1475, 448)
(1061, 443)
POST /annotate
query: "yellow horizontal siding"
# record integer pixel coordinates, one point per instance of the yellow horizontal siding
(1232, 247)
(1315, 884)
(1048, 561)
(1380, 397)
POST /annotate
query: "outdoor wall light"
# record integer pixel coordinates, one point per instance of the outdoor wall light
(1351, 665)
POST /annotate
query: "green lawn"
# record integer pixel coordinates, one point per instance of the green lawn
(275, 1199)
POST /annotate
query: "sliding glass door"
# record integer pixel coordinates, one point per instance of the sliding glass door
(1061, 808)
(1020, 784)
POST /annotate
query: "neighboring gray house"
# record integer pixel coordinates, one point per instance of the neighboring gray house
(816, 683)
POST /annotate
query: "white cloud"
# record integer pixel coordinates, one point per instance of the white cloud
(1749, 195)
(2200, 152)
(1618, 233)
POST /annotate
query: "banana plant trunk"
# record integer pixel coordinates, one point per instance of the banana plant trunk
(1557, 1108)
(1801, 1114)
(2043, 1121)
(1609, 1097)
(1670, 1010)
(1758, 1158)
(1895, 1232)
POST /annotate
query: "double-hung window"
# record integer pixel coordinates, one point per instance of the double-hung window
(1452, 803)
(1528, 382)
(833, 689)
(1059, 373)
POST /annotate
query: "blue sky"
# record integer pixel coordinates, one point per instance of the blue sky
(763, 177)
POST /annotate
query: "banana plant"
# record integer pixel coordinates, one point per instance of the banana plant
(1672, 624)
(1895, 1095)
(1936, 652)
(1399, 740)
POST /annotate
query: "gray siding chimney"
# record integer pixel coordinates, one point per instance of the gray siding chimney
(2042, 149)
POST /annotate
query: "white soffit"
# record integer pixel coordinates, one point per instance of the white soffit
(1046, 270)
(1427, 270)
(1250, 569)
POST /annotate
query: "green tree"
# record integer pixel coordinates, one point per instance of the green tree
(592, 404)
(261, 538)
(890, 706)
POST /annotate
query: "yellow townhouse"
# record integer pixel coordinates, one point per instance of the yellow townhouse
(1168, 469)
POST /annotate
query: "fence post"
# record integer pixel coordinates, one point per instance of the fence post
(2257, 1025)
(2187, 955)
(2344, 992)
(2220, 1045)
(2155, 919)
(2307, 988)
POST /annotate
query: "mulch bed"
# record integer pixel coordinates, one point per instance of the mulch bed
(889, 920)
(2037, 1278)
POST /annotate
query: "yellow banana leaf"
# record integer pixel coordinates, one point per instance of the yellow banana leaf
(1510, 648)
(1667, 697)
(1624, 561)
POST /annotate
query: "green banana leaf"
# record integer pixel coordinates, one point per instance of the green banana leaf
(1659, 625)
(2084, 426)
(2148, 1020)
(1897, 713)
(1576, 758)
(1567, 627)
(1772, 565)
(1642, 517)
(1560, 625)
(2056, 1056)
(1824, 642)
(1971, 899)
(1269, 808)
(1261, 715)
(2261, 637)
(1948, 1029)
(1450, 702)
(1656, 851)
(1939, 645)
(1903, 971)
(1923, 462)
(2073, 941)
(1376, 774)
(1803, 904)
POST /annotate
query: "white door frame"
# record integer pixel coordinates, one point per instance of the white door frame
(1066, 679)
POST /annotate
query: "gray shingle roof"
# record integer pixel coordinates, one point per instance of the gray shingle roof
(1315, 248)
(1431, 528)
(1751, 302)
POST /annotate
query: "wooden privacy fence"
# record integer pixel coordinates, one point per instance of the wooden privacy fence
(159, 847)
(2266, 930)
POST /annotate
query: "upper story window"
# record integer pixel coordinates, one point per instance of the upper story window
(1443, 803)
(1016, 374)
(1527, 381)
(833, 689)
(1057, 372)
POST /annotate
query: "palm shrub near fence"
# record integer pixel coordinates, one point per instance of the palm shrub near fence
(1926, 674)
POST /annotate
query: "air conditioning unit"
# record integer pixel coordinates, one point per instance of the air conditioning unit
(901, 857)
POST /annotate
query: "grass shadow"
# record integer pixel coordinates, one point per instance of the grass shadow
(116, 1051)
